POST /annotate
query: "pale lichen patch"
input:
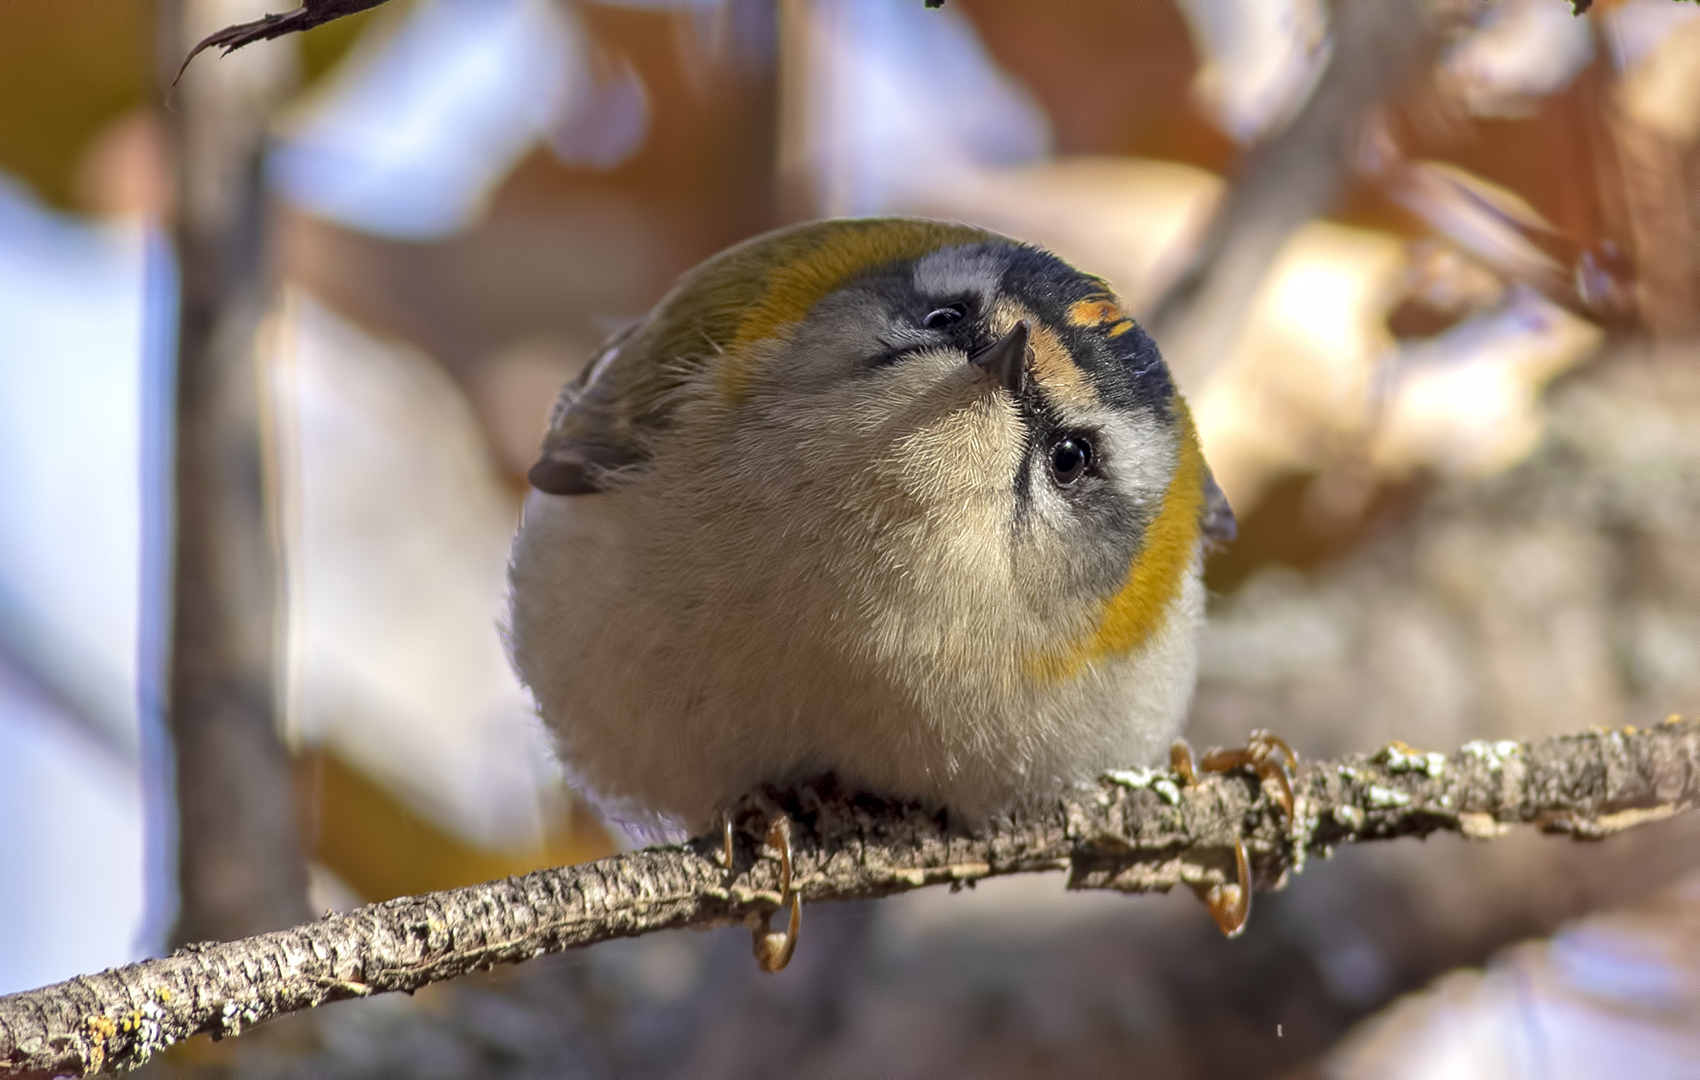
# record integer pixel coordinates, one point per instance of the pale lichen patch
(1493, 754)
(1478, 826)
(1348, 816)
(1147, 779)
(1401, 757)
(1382, 798)
(1135, 779)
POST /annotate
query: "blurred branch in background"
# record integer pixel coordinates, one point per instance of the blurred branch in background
(1650, 161)
(1298, 174)
(240, 867)
(1139, 832)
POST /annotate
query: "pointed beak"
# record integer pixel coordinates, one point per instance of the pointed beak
(1007, 359)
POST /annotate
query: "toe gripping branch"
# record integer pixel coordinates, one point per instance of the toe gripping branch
(773, 949)
(1274, 762)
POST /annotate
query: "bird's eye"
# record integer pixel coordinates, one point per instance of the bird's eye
(1071, 456)
(939, 318)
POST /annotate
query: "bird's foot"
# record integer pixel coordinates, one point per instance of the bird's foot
(1274, 762)
(773, 949)
(1265, 754)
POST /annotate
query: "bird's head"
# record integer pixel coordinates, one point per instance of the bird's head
(968, 417)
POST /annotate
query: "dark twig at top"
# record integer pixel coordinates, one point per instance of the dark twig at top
(311, 13)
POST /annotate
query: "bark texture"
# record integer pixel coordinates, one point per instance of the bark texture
(1138, 831)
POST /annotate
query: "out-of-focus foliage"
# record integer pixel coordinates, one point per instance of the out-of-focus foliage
(1617, 994)
(68, 70)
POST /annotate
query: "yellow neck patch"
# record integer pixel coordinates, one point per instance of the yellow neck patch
(841, 250)
(1138, 608)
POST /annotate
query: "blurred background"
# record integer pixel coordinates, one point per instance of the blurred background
(278, 342)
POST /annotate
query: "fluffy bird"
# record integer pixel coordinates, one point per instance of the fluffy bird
(905, 502)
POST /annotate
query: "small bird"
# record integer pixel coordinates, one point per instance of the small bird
(905, 502)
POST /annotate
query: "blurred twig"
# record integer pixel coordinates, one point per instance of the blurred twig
(1137, 832)
(311, 13)
(1300, 173)
(240, 870)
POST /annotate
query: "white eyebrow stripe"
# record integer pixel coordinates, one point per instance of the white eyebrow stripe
(961, 269)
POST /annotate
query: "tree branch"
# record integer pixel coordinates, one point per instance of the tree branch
(1138, 831)
(239, 862)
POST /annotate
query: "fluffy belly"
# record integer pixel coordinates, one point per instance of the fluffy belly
(667, 704)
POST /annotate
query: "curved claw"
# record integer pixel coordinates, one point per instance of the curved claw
(1267, 755)
(773, 950)
(1230, 904)
(1180, 762)
(1268, 740)
(1268, 772)
(1276, 763)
